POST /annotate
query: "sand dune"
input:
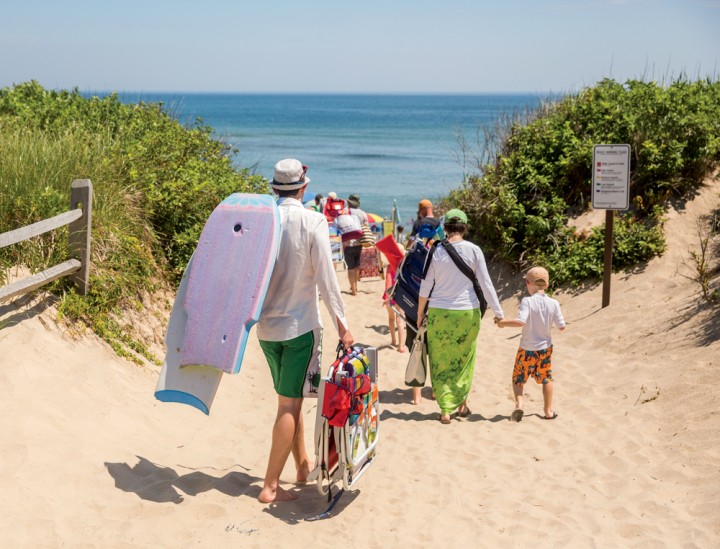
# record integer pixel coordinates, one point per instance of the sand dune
(89, 459)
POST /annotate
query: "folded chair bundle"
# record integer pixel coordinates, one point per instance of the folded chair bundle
(347, 422)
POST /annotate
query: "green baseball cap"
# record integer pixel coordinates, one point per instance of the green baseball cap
(456, 214)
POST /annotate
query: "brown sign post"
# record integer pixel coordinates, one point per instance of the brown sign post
(610, 191)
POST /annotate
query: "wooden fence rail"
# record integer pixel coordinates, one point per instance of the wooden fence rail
(79, 219)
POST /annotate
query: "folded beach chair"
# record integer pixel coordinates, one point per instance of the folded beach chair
(334, 207)
(347, 422)
(406, 290)
(336, 248)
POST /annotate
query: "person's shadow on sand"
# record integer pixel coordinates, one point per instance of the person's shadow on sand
(309, 504)
(157, 483)
(160, 484)
(386, 415)
(381, 329)
(396, 396)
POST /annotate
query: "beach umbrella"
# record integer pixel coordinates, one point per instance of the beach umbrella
(374, 218)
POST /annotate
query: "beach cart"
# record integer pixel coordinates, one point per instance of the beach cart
(347, 423)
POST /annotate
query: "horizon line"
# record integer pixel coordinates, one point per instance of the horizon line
(369, 93)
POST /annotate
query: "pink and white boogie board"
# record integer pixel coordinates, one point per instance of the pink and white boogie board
(220, 298)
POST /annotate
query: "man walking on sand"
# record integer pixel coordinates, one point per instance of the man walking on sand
(289, 328)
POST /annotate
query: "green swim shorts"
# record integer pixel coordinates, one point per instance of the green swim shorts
(291, 361)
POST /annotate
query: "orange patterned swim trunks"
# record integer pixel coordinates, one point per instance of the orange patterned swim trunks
(537, 364)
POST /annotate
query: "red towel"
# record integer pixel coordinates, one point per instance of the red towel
(392, 251)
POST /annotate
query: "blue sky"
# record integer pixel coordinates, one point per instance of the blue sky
(415, 46)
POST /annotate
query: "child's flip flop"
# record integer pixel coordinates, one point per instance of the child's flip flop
(517, 416)
(555, 414)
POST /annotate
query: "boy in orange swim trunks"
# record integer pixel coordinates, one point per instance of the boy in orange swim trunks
(537, 315)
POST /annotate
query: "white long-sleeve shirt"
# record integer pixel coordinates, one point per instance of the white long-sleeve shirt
(451, 289)
(303, 267)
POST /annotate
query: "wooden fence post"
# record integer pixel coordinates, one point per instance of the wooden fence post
(81, 196)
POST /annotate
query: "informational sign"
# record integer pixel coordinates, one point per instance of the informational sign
(611, 177)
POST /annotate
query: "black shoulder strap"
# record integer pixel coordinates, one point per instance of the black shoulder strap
(428, 259)
(467, 271)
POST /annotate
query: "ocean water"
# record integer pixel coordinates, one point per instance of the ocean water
(384, 148)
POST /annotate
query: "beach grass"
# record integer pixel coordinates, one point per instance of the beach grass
(535, 173)
(155, 182)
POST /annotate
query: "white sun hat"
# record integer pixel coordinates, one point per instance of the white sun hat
(289, 175)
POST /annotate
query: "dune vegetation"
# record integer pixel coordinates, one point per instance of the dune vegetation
(155, 182)
(533, 173)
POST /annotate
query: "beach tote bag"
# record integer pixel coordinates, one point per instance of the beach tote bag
(369, 263)
(368, 239)
(416, 371)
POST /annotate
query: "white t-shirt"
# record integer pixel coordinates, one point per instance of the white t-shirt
(451, 289)
(360, 214)
(539, 312)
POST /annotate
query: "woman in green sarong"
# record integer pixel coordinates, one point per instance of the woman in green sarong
(453, 316)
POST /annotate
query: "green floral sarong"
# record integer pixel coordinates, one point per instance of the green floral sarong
(451, 339)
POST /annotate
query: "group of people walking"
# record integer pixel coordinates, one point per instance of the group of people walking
(454, 291)
(290, 329)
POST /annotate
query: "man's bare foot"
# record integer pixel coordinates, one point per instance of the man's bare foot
(303, 472)
(402, 349)
(268, 495)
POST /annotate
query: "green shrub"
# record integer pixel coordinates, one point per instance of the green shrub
(539, 173)
(155, 182)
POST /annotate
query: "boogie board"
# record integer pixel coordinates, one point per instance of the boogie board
(233, 264)
(219, 299)
(192, 385)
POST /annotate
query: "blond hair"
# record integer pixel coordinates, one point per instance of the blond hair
(538, 276)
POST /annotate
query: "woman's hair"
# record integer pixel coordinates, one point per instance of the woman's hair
(455, 226)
